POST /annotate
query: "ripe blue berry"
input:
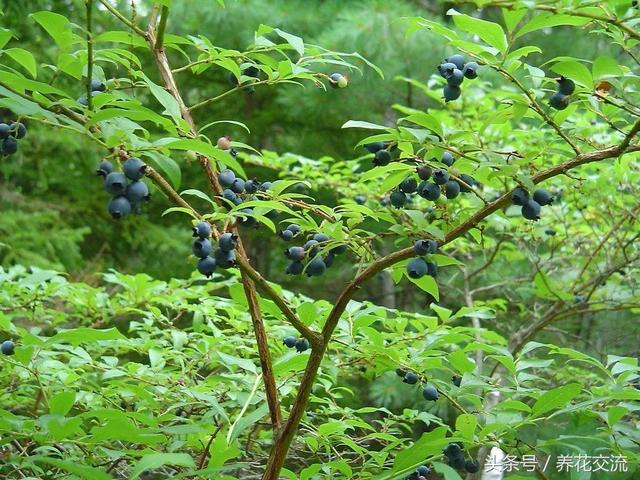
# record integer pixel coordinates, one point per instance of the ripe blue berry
(224, 259)
(337, 80)
(451, 92)
(201, 247)
(286, 235)
(470, 70)
(119, 207)
(206, 266)
(432, 269)
(238, 185)
(321, 237)
(423, 470)
(312, 248)
(104, 168)
(430, 393)
(18, 129)
(226, 178)
(451, 189)
(7, 347)
(382, 158)
(5, 130)
(452, 449)
(315, 267)
(457, 461)
(566, 86)
(409, 185)
(9, 146)
(290, 342)
(447, 159)
(429, 190)
(468, 180)
(115, 183)
(472, 466)
(202, 230)
(519, 196)
(440, 176)
(340, 249)
(137, 192)
(559, 101)
(456, 78)
(543, 197)
(295, 254)
(410, 378)
(329, 259)
(531, 210)
(374, 146)
(227, 242)
(229, 195)
(97, 86)
(417, 268)
(398, 199)
(360, 199)
(425, 247)
(251, 186)
(456, 380)
(457, 60)
(424, 172)
(293, 228)
(134, 168)
(301, 345)
(294, 268)
(446, 69)
(264, 186)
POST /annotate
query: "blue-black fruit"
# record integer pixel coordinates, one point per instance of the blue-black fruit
(470, 70)
(360, 199)
(566, 86)
(97, 86)
(230, 195)
(337, 80)
(373, 147)
(294, 268)
(295, 254)
(432, 269)
(519, 196)
(226, 178)
(445, 69)
(409, 185)
(5, 130)
(18, 129)
(202, 230)
(472, 466)
(339, 250)
(447, 159)
(294, 228)
(329, 259)
(550, 231)
(290, 342)
(312, 247)
(401, 372)
(429, 190)
(440, 176)
(410, 378)
(424, 172)
(321, 237)
(115, 183)
(457, 461)
(457, 60)
(559, 101)
(456, 78)
(237, 186)
(430, 393)
(531, 210)
(264, 186)
(425, 247)
(456, 380)
(469, 181)
(398, 199)
(302, 344)
(134, 168)
(451, 189)
(286, 235)
(251, 186)
(423, 470)
(224, 259)
(104, 168)
(206, 266)
(382, 158)
(452, 449)
(543, 197)
(227, 242)
(201, 247)
(451, 92)
(137, 192)
(9, 146)
(7, 347)
(119, 207)
(315, 267)
(417, 268)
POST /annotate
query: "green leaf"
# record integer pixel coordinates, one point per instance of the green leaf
(5, 36)
(75, 468)
(167, 166)
(606, 67)
(361, 124)
(544, 20)
(77, 336)
(207, 150)
(24, 58)
(61, 403)
(199, 194)
(427, 284)
(466, 425)
(428, 444)
(295, 42)
(461, 362)
(167, 100)
(58, 27)
(155, 460)
(490, 32)
(556, 398)
(575, 71)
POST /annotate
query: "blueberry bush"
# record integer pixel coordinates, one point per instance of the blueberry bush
(502, 204)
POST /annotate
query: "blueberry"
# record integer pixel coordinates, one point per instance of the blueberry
(321, 237)
(519, 196)
(470, 70)
(423, 470)
(472, 466)
(264, 186)
(531, 210)
(455, 79)
(401, 372)
(445, 69)
(424, 172)
(293, 228)
(18, 129)
(7, 347)
(134, 168)
(286, 235)
(337, 80)
(137, 192)
(451, 92)
(382, 158)
(104, 168)
(251, 71)
(452, 449)
(251, 186)
(456, 380)
(201, 247)
(417, 268)
(410, 378)
(374, 146)
(226, 178)
(425, 247)
(227, 242)
(329, 259)
(315, 267)
(447, 159)
(302, 344)
(543, 197)
(457, 461)
(409, 185)
(565, 86)
(457, 60)
(9, 146)
(5, 130)
(237, 186)
(295, 254)
(290, 342)
(224, 259)
(451, 189)
(202, 230)
(119, 207)
(115, 183)
(229, 195)
(559, 101)
(468, 180)
(311, 247)
(429, 190)
(360, 199)
(432, 269)
(398, 199)
(97, 86)
(339, 250)
(430, 393)
(550, 231)
(384, 201)
(294, 268)
(440, 176)
(206, 266)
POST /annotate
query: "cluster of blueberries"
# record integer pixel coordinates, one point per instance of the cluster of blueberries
(453, 452)
(224, 256)
(96, 87)
(7, 347)
(560, 99)
(454, 69)
(531, 206)
(420, 474)
(429, 392)
(418, 267)
(10, 133)
(236, 190)
(300, 344)
(127, 188)
(315, 264)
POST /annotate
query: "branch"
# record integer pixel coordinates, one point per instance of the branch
(161, 28)
(89, 8)
(123, 19)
